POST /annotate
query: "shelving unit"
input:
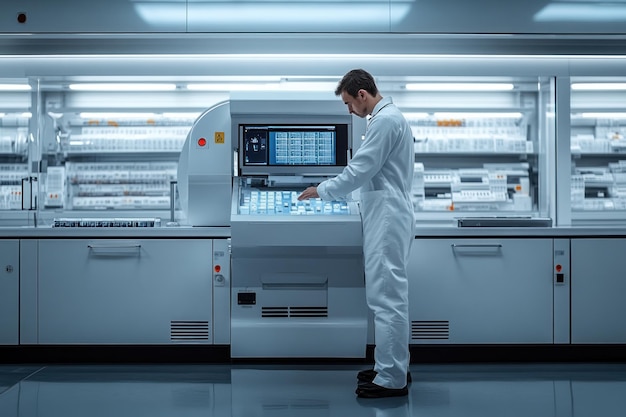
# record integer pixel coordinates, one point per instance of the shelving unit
(118, 162)
(14, 132)
(598, 150)
(477, 152)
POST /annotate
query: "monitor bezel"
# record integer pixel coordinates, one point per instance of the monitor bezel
(342, 144)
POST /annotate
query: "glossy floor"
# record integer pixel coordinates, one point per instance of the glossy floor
(528, 390)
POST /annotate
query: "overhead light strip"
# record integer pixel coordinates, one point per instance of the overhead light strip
(598, 86)
(603, 115)
(459, 86)
(123, 87)
(15, 87)
(469, 115)
(283, 86)
(108, 115)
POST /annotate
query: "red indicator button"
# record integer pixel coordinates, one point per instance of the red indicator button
(558, 268)
(217, 268)
(202, 142)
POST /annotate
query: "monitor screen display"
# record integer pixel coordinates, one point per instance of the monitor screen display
(294, 145)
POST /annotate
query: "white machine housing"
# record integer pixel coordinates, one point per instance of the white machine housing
(205, 169)
(298, 280)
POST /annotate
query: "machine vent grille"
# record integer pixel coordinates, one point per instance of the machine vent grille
(181, 331)
(294, 312)
(275, 312)
(430, 330)
(308, 311)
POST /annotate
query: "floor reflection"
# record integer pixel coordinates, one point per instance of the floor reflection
(310, 391)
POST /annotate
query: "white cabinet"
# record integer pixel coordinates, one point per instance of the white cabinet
(125, 291)
(598, 288)
(9, 291)
(481, 291)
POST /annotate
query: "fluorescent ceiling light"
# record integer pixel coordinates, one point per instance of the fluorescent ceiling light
(416, 115)
(459, 86)
(604, 115)
(103, 115)
(123, 87)
(15, 87)
(588, 11)
(182, 115)
(465, 115)
(27, 115)
(599, 86)
(222, 15)
(242, 78)
(284, 86)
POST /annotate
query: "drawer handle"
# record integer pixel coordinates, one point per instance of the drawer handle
(122, 250)
(133, 246)
(493, 245)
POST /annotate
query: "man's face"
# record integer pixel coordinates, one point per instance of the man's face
(356, 105)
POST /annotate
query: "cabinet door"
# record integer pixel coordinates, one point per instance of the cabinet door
(481, 291)
(9, 295)
(123, 291)
(598, 288)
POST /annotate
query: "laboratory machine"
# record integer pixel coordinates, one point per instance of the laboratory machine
(298, 280)
(297, 266)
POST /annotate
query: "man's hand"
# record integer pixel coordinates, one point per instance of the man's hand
(310, 192)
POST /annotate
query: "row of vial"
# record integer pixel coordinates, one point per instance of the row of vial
(457, 144)
(164, 144)
(129, 202)
(591, 144)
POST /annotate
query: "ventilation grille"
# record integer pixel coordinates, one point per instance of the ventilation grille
(181, 331)
(294, 312)
(430, 330)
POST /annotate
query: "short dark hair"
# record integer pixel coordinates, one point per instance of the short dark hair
(356, 80)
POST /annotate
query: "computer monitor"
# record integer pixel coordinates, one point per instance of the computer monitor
(296, 149)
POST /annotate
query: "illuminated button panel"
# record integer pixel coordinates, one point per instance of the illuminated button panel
(285, 203)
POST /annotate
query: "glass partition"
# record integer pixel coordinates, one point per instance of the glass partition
(480, 147)
(108, 147)
(111, 149)
(15, 177)
(598, 150)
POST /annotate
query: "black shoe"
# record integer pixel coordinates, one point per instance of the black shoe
(368, 375)
(371, 390)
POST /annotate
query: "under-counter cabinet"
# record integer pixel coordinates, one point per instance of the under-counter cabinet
(478, 291)
(598, 289)
(9, 291)
(124, 291)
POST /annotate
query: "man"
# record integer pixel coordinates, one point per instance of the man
(383, 168)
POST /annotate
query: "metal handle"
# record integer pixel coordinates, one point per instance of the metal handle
(479, 249)
(131, 246)
(172, 200)
(131, 249)
(494, 245)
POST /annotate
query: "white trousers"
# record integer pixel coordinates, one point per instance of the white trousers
(388, 232)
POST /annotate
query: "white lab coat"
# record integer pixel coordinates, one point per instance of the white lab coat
(383, 168)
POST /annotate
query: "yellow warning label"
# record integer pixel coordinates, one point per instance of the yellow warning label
(219, 137)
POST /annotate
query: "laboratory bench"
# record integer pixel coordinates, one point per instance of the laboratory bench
(486, 289)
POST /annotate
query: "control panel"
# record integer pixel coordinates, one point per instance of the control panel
(285, 203)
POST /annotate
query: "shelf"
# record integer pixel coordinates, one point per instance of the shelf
(121, 152)
(474, 154)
